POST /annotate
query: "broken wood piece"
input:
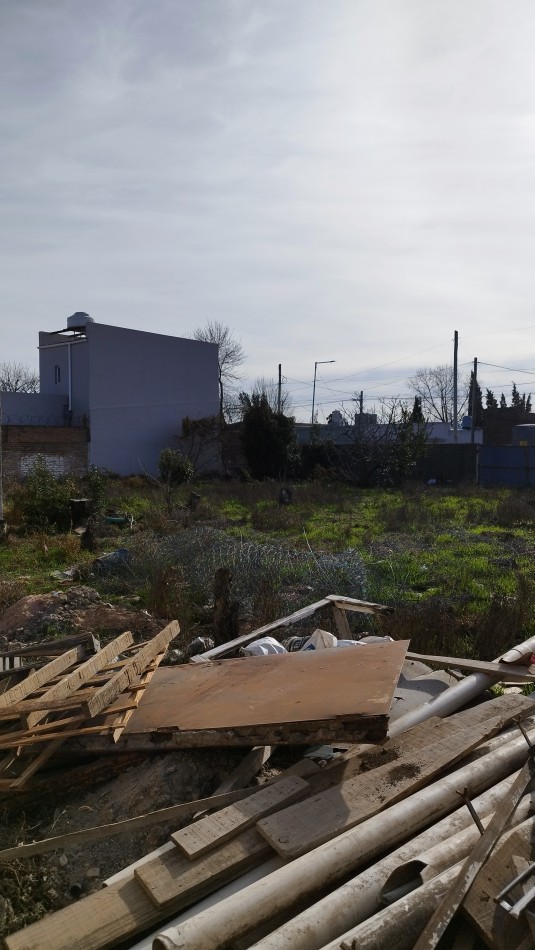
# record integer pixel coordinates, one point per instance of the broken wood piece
(297, 829)
(210, 832)
(69, 684)
(130, 671)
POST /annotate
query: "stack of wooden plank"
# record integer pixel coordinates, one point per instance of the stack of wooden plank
(73, 695)
(288, 816)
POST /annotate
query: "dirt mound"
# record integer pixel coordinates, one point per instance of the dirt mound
(77, 610)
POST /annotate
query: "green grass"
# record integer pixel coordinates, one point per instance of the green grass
(456, 563)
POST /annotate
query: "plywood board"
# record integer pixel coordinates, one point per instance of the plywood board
(212, 831)
(284, 688)
(299, 828)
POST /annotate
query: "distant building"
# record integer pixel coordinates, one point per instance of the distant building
(128, 389)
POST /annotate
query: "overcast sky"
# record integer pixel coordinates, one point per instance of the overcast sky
(334, 179)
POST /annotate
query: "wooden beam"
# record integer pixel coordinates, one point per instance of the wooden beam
(69, 684)
(346, 730)
(117, 913)
(342, 625)
(127, 825)
(232, 645)
(506, 671)
(361, 606)
(211, 832)
(299, 828)
(173, 877)
(40, 677)
(136, 665)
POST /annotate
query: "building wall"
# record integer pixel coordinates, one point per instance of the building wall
(141, 386)
(65, 450)
(32, 409)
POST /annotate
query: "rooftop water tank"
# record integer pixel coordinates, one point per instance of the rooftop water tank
(78, 320)
(467, 422)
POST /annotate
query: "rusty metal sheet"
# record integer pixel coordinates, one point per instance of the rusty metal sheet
(281, 688)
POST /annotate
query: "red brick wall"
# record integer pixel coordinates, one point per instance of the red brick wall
(65, 449)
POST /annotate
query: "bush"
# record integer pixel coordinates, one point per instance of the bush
(44, 501)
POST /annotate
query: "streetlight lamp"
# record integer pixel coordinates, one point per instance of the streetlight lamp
(316, 364)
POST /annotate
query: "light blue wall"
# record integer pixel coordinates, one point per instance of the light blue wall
(141, 385)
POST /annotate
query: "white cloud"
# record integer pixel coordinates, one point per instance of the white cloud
(350, 180)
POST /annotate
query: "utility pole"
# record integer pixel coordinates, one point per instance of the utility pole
(474, 390)
(279, 391)
(455, 348)
(316, 364)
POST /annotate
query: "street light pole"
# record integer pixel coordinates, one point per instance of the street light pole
(316, 364)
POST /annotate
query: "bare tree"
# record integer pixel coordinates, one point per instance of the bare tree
(231, 356)
(270, 389)
(18, 378)
(434, 387)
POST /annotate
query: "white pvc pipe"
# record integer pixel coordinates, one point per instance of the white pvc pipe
(306, 876)
(357, 900)
(457, 696)
(399, 925)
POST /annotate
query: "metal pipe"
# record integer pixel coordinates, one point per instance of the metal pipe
(357, 900)
(308, 875)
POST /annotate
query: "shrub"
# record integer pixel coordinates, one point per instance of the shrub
(44, 501)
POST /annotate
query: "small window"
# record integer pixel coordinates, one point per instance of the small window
(57, 373)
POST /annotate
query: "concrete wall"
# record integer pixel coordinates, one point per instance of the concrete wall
(141, 385)
(64, 449)
(32, 409)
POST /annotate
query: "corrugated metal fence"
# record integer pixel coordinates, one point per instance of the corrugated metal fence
(512, 466)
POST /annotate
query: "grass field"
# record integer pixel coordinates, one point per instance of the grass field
(455, 563)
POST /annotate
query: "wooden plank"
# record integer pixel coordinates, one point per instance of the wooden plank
(505, 671)
(361, 606)
(118, 912)
(225, 648)
(173, 875)
(342, 625)
(210, 832)
(131, 670)
(268, 690)
(127, 825)
(471, 867)
(345, 730)
(69, 684)
(297, 829)
(41, 676)
(493, 924)
(125, 714)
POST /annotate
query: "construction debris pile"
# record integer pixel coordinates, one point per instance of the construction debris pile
(410, 817)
